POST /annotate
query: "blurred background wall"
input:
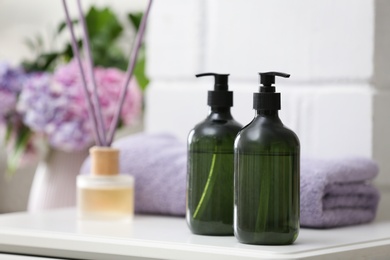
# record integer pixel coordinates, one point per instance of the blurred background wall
(337, 51)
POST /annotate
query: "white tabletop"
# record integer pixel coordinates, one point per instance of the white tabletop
(59, 234)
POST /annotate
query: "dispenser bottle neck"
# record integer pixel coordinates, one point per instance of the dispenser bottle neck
(220, 113)
(269, 115)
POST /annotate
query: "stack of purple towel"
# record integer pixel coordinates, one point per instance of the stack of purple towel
(338, 192)
(333, 192)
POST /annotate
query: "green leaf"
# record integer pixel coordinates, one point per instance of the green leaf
(8, 132)
(139, 70)
(44, 62)
(15, 156)
(104, 30)
(207, 190)
(103, 23)
(47, 60)
(135, 19)
(67, 53)
(39, 40)
(30, 44)
(63, 25)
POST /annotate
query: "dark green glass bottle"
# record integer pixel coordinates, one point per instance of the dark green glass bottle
(267, 174)
(210, 174)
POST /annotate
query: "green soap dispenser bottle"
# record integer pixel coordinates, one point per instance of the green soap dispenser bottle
(267, 173)
(210, 166)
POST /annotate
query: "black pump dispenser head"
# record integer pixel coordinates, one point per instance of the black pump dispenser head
(267, 99)
(220, 96)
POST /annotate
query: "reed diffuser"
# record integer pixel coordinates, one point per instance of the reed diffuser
(104, 194)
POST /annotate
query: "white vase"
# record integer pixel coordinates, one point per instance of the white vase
(54, 184)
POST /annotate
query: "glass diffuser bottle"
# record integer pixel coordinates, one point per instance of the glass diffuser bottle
(104, 194)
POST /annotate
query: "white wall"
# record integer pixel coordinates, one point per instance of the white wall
(338, 52)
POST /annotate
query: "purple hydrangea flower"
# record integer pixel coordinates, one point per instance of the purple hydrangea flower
(11, 79)
(11, 82)
(39, 102)
(48, 107)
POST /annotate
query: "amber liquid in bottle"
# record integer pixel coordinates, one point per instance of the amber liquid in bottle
(113, 201)
(105, 195)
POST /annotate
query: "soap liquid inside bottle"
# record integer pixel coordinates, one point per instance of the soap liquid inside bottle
(267, 198)
(210, 192)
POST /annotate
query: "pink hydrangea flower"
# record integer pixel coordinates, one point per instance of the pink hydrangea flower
(113, 79)
(56, 106)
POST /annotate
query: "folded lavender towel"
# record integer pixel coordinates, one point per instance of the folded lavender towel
(338, 192)
(158, 164)
(333, 192)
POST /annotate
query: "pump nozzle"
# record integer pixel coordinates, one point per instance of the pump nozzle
(268, 78)
(221, 80)
(267, 99)
(220, 96)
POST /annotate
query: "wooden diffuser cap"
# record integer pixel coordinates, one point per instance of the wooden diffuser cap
(104, 161)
